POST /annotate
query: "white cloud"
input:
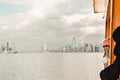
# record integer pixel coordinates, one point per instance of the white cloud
(21, 25)
(71, 19)
(88, 30)
(52, 22)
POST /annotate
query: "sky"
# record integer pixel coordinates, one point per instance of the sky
(31, 24)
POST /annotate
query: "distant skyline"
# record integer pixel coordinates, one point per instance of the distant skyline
(33, 23)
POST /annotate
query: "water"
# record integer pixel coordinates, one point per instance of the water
(50, 66)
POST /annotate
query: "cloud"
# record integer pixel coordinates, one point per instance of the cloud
(53, 23)
(71, 19)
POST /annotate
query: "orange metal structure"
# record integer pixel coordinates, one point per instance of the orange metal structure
(112, 20)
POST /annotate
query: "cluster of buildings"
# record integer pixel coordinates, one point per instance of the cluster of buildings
(75, 47)
(7, 48)
(79, 48)
(86, 47)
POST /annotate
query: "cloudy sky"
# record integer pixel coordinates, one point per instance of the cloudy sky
(33, 23)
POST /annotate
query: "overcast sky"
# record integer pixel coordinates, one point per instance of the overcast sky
(33, 23)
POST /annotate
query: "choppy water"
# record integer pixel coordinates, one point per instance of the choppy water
(50, 66)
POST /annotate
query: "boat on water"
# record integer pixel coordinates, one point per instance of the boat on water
(14, 52)
(8, 52)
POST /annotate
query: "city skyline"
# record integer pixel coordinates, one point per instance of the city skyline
(73, 46)
(80, 47)
(31, 24)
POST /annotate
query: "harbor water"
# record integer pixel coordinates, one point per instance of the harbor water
(50, 66)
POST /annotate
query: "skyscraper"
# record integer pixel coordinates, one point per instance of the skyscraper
(74, 42)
